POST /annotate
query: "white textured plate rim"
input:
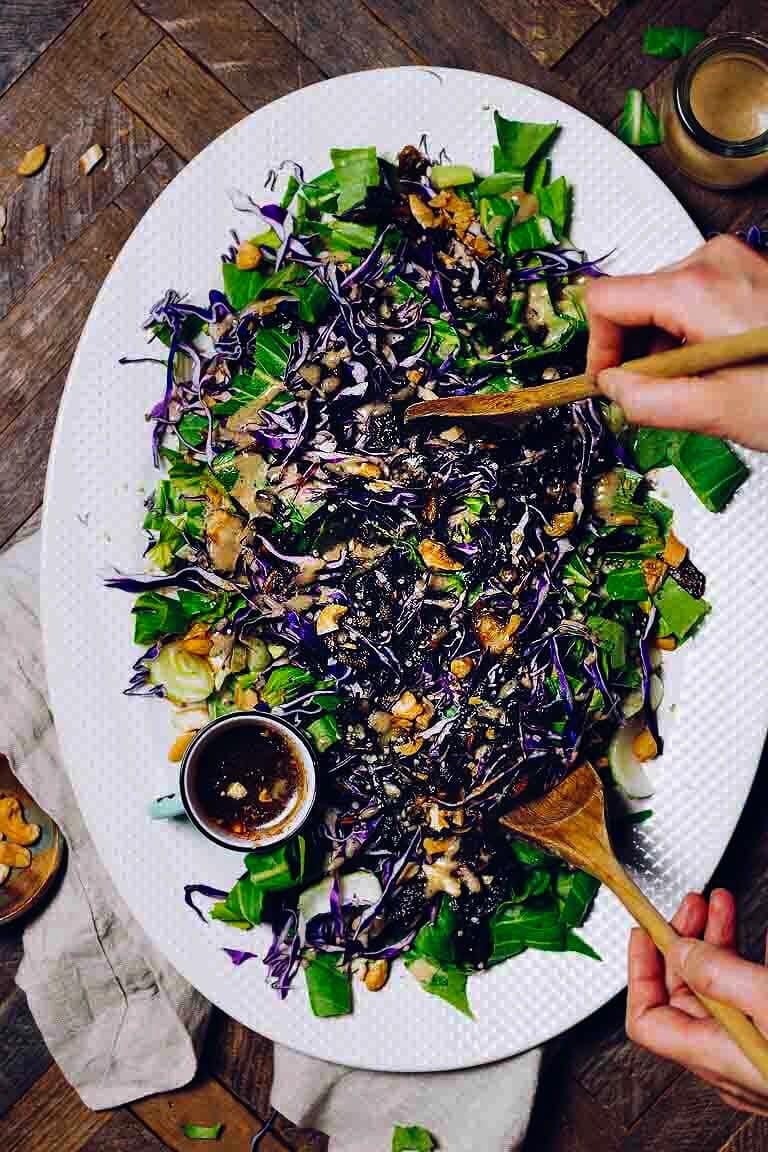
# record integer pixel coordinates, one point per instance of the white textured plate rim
(219, 985)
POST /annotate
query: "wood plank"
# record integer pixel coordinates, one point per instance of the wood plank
(50, 1116)
(604, 7)
(24, 1057)
(740, 16)
(28, 528)
(46, 213)
(457, 35)
(690, 1118)
(124, 1133)
(177, 98)
(586, 1116)
(338, 44)
(242, 1060)
(204, 1102)
(237, 45)
(24, 448)
(609, 58)
(547, 30)
(38, 335)
(565, 1117)
(10, 948)
(27, 27)
(623, 1078)
(751, 1137)
(144, 189)
(78, 70)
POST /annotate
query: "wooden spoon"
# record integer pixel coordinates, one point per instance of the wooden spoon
(688, 360)
(570, 820)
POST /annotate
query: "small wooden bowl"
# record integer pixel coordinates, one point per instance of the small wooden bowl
(26, 887)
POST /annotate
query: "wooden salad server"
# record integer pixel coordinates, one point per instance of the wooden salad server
(688, 360)
(570, 820)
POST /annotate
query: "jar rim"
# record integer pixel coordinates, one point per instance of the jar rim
(750, 43)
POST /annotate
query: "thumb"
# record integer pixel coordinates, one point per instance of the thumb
(722, 975)
(727, 403)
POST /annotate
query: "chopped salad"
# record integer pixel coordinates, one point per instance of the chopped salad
(455, 615)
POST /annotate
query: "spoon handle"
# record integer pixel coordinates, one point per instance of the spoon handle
(739, 1027)
(688, 360)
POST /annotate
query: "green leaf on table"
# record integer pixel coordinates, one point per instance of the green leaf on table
(611, 637)
(535, 882)
(711, 467)
(451, 175)
(529, 855)
(448, 983)
(324, 732)
(500, 182)
(200, 606)
(555, 202)
(576, 892)
(187, 477)
(495, 213)
(432, 960)
(280, 868)
(329, 986)
(357, 170)
(412, 1138)
(241, 286)
(156, 616)
(626, 584)
(638, 125)
(243, 906)
(501, 383)
(515, 927)
(651, 447)
(284, 683)
(662, 513)
(272, 352)
(670, 42)
(193, 429)
(224, 468)
(681, 611)
(202, 1131)
(539, 173)
(322, 192)
(353, 237)
(445, 341)
(639, 817)
(167, 544)
(519, 142)
(291, 188)
(435, 940)
(574, 943)
(537, 232)
(313, 298)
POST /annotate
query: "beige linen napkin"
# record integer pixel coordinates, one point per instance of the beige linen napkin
(120, 1021)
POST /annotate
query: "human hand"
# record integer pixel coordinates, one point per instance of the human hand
(719, 290)
(664, 1016)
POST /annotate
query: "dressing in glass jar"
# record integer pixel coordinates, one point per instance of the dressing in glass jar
(716, 111)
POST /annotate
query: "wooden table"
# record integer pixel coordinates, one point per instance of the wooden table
(153, 81)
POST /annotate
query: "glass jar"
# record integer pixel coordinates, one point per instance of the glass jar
(716, 112)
